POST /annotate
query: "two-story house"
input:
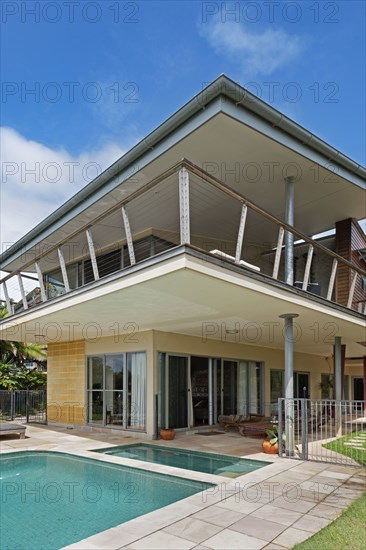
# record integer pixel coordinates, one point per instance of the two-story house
(185, 281)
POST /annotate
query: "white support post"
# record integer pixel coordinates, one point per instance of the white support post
(352, 289)
(332, 279)
(307, 267)
(126, 223)
(63, 270)
(41, 283)
(289, 236)
(93, 257)
(289, 382)
(22, 293)
(276, 265)
(239, 242)
(9, 307)
(185, 233)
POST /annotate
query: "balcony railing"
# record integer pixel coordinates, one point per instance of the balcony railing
(184, 206)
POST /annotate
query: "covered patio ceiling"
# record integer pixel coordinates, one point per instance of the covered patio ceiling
(245, 158)
(185, 295)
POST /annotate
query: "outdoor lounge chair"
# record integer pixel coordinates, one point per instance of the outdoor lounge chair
(254, 429)
(12, 428)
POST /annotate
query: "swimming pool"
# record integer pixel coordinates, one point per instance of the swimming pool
(209, 463)
(50, 499)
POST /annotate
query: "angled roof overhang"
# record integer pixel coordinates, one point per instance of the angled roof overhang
(240, 139)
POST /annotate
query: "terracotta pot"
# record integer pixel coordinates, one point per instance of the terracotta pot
(167, 434)
(270, 449)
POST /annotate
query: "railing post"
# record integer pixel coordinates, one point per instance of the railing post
(332, 279)
(304, 428)
(277, 260)
(184, 211)
(352, 289)
(280, 427)
(63, 270)
(27, 405)
(22, 292)
(239, 242)
(93, 257)
(12, 405)
(9, 306)
(307, 267)
(126, 223)
(41, 283)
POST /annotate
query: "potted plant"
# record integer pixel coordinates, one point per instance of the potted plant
(167, 434)
(270, 444)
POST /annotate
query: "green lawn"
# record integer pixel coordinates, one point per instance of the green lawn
(347, 531)
(338, 445)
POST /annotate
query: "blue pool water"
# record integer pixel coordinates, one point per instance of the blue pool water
(50, 500)
(210, 463)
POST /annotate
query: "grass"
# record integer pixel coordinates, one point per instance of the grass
(347, 531)
(338, 445)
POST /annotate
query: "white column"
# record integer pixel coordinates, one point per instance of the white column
(239, 242)
(9, 306)
(289, 381)
(22, 293)
(63, 270)
(41, 283)
(93, 257)
(126, 223)
(184, 214)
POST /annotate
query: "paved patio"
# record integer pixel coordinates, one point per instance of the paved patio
(274, 507)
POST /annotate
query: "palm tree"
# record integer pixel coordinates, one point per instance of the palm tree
(13, 359)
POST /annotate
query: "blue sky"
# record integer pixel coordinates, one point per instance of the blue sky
(106, 73)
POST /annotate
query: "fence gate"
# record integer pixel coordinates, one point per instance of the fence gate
(323, 430)
(24, 406)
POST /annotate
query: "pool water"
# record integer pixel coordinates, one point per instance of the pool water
(50, 499)
(209, 463)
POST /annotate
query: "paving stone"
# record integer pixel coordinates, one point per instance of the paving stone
(292, 536)
(311, 523)
(278, 515)
(255, 527)
(193, 529)
(232, 540)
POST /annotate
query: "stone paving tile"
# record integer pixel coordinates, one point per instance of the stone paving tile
(255, 527)
(292, 536)
(278, 515)
(240, 505)
(161, 541)
(338, 502)
(232, 540)
(272, 546)
(193, 529)
(311, 523)
(298, 505)
(325, 511)
(218, 516)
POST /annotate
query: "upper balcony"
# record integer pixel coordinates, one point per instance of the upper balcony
(186, 206)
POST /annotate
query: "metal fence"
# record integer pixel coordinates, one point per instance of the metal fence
(23, 405)
(323, 430)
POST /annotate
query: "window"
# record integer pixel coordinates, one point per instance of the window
(117, 390)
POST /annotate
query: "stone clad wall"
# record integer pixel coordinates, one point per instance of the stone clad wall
(66, 389)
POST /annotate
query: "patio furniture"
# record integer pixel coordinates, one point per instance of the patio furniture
(254, 429)
(12, 428)
(237, 420)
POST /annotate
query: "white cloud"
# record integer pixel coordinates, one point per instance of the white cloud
(257, 52)
(36, 179)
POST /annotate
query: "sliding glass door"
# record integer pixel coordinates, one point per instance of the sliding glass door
(117, 390)
(242, 387)
(178, 391)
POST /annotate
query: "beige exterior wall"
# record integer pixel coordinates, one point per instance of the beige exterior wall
(66, 383)
(67, 367)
